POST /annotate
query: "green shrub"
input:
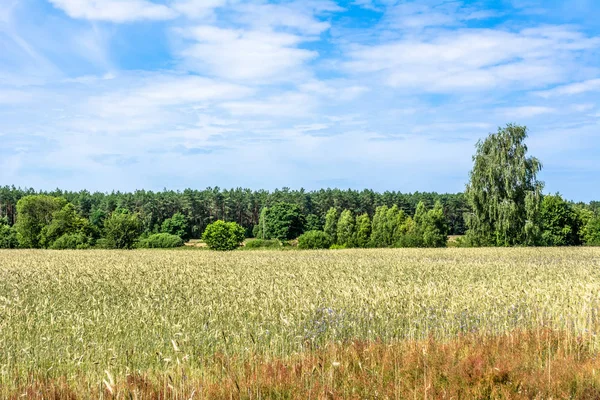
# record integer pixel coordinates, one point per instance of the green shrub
(103, 243)
(71, 241)
(223, 236)
(338, 247)
(121, 229)
(160, 241)
(314, 240)
(176, 225)
(263, 244)
(283, 221)
(410, 239)
(591, 232)
(8, 235)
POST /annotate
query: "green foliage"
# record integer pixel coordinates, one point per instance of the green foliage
(103, 243)
(559, 222)
(411, 235)
(33, 214)
(315, 240)
(591, 231)
(243, 206)
(160, 241)
(331, 220)
(283, 221)
(8, 235)
(223, 236)
(97, 218)
(379, 236)
(262, 244)
(71, 241)
(346, 229)
(394, 220)
(504, 193)
(121, 230)
(338, 247)
(313, 223)
(67, 222)
(363, 230)
(176, 225)
(433, 227)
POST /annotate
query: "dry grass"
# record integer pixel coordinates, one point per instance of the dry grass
(520, 365)
(271, 324)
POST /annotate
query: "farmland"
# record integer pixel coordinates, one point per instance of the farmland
(115, 323)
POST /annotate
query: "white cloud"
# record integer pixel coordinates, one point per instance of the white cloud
(155, 92)
(592, 85)
(251, 56)
(526, 111)
(260, 43)
(368, 4)
(582, 107)
(263, 84)
(336, 89)
(298, 16)
(473, 59)
(12, 96)
(415, 16)
(290, 104)
(197, 8)
(6, 11)
(115, 10)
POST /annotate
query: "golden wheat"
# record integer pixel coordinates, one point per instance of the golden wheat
(105, 314)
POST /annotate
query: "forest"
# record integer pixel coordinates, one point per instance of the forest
(496, 209)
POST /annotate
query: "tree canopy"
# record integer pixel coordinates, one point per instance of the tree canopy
(504, 193)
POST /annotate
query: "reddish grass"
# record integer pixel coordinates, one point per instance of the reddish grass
(522, 365)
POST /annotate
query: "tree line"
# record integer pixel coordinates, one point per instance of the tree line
(503, 205)
(243, 206)
(389, 227)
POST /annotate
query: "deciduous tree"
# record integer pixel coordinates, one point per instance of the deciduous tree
(504, 193)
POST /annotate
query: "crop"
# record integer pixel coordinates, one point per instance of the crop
(105, 315)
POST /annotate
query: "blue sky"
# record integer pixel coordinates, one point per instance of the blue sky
(381, 94)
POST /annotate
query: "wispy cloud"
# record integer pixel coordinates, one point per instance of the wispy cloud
(525, 111)
(244, 55)
(473, 59)
(127, 94)
(592, 85)
(114, 10)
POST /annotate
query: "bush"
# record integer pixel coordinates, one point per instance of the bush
(176, 225)
(160, 241)
(408, 240)
(314, 240)
(8, 235)
(338, 247)
(121, 229)
(103, 243)
(283, 221)
(263, 244)
(591, 232)
(223, 236)
(71, 241)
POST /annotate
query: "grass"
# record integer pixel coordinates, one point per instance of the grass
(172, 323)
(520, 365)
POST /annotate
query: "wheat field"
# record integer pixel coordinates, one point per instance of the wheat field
(91, 319)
